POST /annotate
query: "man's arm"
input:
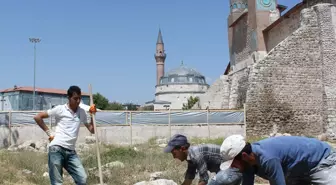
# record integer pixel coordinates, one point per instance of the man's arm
(187, 181)
(39, 120)
(190, 173)
(274, 172)
(248, 177)
(90, 126)
(42, 115)
(202, 171)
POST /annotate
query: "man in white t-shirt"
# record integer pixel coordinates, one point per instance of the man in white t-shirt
(62, 153)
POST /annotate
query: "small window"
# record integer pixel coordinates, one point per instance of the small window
(234, 5)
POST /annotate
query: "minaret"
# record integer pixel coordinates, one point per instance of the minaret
(160, 58)
(237, 7)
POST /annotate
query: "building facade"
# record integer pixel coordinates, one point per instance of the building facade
(21, 98)
(174, 88)
(282, 67)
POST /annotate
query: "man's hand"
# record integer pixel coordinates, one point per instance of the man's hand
(202, 183)
(93, 109)
(187, 182)
(51, 138)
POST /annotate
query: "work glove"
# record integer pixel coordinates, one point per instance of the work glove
(93, 109)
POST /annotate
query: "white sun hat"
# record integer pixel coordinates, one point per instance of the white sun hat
(230, 148)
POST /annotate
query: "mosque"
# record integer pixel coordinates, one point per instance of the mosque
(174, 88)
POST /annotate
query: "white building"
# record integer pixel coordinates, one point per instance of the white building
(174, 88)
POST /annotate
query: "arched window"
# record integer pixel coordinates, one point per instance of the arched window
(235, 6)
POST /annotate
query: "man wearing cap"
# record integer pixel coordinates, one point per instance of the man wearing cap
(202, 158)
(284, 160)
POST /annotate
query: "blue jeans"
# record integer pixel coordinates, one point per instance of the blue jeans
(230, 176)
(59, 158)
(323, 174)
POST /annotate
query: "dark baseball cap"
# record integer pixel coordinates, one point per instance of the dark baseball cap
(176, 140)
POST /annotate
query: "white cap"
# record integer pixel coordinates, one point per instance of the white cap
(230, 148)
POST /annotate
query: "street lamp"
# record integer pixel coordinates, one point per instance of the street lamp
(34, 40)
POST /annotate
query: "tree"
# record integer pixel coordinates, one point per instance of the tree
(191, 102)
(115, 106)
(147, 108)
(100, 101)
(131, 106)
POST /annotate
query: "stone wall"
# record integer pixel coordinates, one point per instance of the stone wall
(217, 96)
(238, 89)
(240, 50)
(326, 15)
(283, 27)
(289, 88)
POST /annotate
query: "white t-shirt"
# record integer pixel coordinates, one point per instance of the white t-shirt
(68, 124)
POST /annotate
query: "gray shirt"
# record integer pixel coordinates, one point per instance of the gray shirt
(201, 159)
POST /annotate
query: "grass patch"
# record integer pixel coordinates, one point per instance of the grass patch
(219, 141)
(14, 164)
(139, 162)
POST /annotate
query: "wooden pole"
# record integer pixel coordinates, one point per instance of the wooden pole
(50, 118)
(97, 142)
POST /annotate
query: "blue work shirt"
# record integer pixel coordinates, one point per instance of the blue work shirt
(283, 157)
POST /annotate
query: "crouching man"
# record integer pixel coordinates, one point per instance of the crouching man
(285, 160)
(201, 159)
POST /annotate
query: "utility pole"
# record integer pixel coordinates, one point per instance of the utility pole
(34, 40)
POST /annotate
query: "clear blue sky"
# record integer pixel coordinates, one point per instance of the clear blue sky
(111, 43)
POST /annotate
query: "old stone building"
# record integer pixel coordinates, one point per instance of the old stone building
(282, 67)
(174, 88)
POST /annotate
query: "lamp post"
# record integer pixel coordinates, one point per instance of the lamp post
(34, 40)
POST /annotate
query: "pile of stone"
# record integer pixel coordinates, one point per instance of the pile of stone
(42, 146)
(156, 179)
(157, 182)
(106, 168)
(35, 146)
(322, 137)
(279, 134)
(161, 142)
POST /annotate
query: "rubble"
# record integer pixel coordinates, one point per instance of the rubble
(161, 141)
(106, 168)
(279, 134)
(42, 146)
(155, 175)
(157, 182)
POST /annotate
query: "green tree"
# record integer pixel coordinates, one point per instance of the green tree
(115, 106)
(100, 101)
(191, 102)
(147, 108)
(131, 106)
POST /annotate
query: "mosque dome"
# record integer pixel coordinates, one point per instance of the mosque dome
(182, 75)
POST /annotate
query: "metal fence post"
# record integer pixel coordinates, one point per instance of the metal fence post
(169, 123)
(130, 124)
(245, 118)
(10, 127)
(208, 122)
